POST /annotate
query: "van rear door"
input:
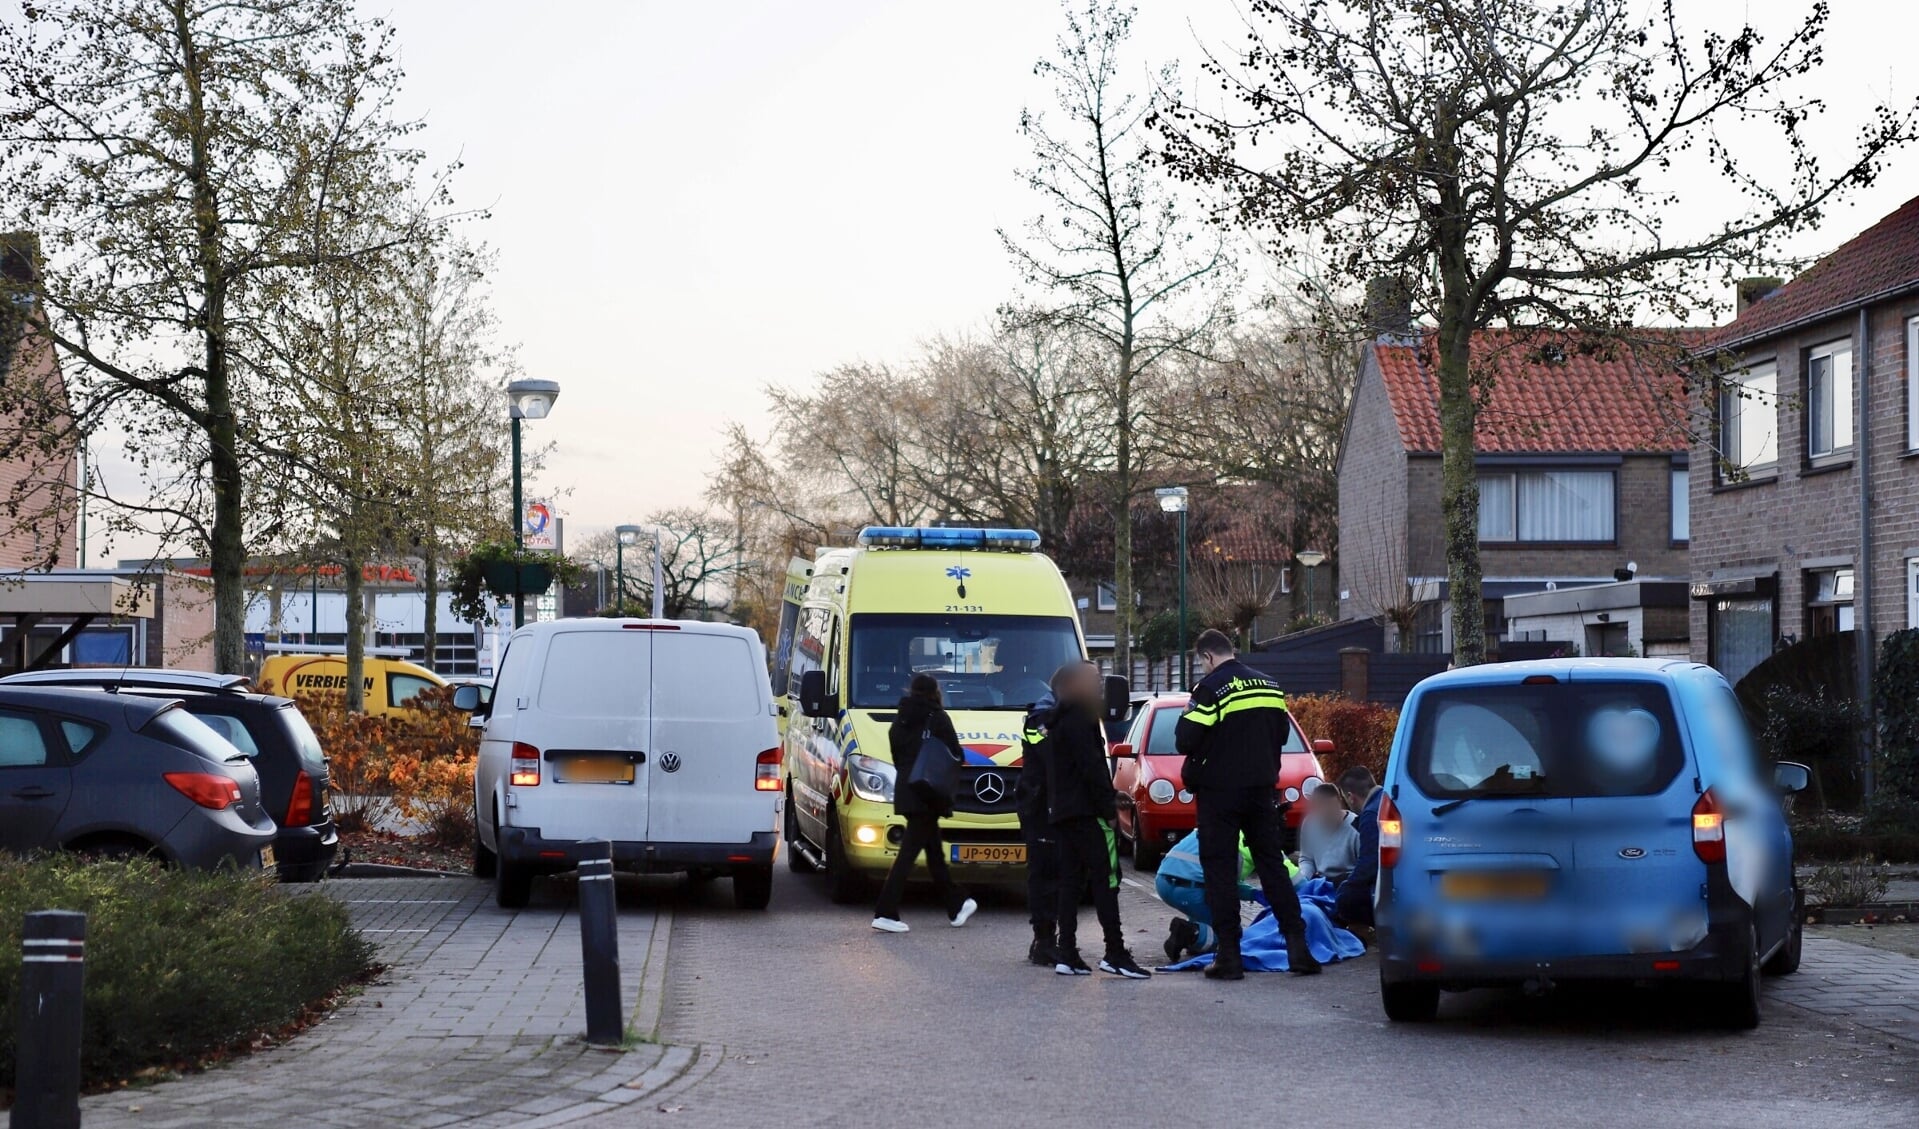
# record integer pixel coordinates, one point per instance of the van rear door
(591, 721)
(712, 718)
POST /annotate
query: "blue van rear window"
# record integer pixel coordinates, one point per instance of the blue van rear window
(1564, 739)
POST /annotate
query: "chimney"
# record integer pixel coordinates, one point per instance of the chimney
(1389, 310)
(1751, 291)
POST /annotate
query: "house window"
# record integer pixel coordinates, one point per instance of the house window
(1739, 634)
(1912, 592)
(1105, 599)
(1912, 387)
(1828, 602)
(1546, 505)
(1829, 400)
(1285, 580)
(1681, 504)
(1749, 420)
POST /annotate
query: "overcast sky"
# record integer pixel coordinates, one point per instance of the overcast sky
(691, 200)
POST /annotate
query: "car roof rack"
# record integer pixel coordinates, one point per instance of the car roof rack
(137, 677)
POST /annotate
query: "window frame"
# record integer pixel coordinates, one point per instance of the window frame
(1912, 591)
(1674, 494)
(1724, 416)
(1912, 386)
(1838, 452)
(53, 753)
(1514, 473)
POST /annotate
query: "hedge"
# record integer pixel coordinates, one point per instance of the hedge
(1361, 732)
(180, 964)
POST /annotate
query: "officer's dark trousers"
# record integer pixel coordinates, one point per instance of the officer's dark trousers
(922, 834)
(1042, 873)
(1224, 814)
(1088, 850)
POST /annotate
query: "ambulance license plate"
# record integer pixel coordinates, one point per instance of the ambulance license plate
(990, 853)
(593, 770)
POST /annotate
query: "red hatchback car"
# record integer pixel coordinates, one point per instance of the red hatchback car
(1156, 810)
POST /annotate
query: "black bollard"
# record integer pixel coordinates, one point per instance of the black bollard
(600, 945)
(47, 1044)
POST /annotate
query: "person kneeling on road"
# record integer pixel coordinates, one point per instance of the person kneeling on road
(1232, 736)
(1328, 838)
(1181, 884)
(1079, 790)
(1353, 900)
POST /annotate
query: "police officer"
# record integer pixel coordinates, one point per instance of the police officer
(1231, 736)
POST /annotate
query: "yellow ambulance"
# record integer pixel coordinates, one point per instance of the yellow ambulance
(981, 609)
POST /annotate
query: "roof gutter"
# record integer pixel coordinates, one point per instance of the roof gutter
(1801, 322)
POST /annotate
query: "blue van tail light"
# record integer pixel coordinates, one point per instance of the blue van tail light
(766, 772)
(1708, 828)
(1391, 833)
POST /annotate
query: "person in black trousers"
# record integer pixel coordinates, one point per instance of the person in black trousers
(1036, 828)
(1231, 736)
(920, 716)
(1079, 791)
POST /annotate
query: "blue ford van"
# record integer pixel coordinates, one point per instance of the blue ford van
(1582, 819)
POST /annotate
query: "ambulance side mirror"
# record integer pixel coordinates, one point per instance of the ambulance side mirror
(814, 700)
(1119, 697)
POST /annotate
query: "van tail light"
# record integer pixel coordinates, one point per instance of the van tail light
(1391, 833)
(300, 808)
(766, 772)
(1708, 828)
(524, 772)
(206, 789)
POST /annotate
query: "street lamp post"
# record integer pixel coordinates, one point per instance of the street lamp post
(659, 586)
(1172, 499)
(526, 399)
(623, 536)
(1312, 559)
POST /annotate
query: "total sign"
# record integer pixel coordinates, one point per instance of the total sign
(541, 527)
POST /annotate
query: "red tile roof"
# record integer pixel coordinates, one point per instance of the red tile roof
(1549, 393)
(1882, 260)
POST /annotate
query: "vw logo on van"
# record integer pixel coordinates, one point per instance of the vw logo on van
(989, 787)
(670, 762)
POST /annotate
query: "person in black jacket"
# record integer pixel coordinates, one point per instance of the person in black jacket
(920, 716)
(1231, 736)
(1036, 828)
(1079, 794)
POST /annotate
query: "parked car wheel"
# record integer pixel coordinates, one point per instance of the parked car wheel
(1785, 962)
(753, 889)
(1146, 852)
(485, 862)
(115, 848)
(1409, 1003)
(1738, 1003)
(843, 884)
(512, 885)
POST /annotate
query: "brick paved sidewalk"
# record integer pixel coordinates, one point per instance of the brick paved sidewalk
(478, 1022)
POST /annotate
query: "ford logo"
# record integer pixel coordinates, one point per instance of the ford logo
(1632, 852)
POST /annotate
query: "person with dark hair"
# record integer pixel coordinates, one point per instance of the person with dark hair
(1353, 900)
(1036, 829)
(921, 728)
(1232, 735)
(1328, 841)
(1081, 804)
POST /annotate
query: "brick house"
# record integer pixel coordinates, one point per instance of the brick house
(1583, 469)
(1782, 548)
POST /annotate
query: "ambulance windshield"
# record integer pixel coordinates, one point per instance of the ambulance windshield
(983, 662)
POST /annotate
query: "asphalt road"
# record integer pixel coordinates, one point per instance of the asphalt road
(814, 1019)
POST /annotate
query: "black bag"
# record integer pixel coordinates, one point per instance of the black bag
(935, 774)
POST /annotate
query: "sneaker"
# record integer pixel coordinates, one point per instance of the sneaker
(891, 925)
(1066, 962)
(967, 909)
(1181, 937)
(1119, 962)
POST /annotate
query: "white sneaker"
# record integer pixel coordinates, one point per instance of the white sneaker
(967, 909)
(889, 925)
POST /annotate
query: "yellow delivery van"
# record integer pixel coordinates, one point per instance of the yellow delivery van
(981, 609)
(390, 685)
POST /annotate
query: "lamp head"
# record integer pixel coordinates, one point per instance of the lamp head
(1172, 499)
(531, 399)
(629, 535)
(1311, 558)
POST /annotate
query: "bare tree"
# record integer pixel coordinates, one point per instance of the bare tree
(1516, 162)
(1110, 254)
(699, 560)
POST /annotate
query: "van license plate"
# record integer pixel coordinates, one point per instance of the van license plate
(1013, 853)
(593, 770)
(1484, 885)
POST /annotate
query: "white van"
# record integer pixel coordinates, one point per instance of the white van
(658, 736)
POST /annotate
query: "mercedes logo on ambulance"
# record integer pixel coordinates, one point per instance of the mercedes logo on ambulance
(989, 787)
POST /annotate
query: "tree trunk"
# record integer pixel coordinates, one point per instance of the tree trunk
(354, 583)
(1123, 513)
(1459, 490)
(430, 566)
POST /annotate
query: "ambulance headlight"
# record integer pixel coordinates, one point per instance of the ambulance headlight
(1161, 791)
(871, 779)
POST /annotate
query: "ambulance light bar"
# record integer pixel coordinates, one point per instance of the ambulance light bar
(936, 537)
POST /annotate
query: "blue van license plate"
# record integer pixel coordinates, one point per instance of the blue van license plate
(1493, 885)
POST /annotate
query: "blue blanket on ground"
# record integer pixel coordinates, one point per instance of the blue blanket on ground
(1264, 950)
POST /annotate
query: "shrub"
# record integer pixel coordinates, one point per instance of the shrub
(180, 964)
(1897, 703)
(1834, 837)
(1819, 730)
(1361, 732)
(1854, 883)
(418, 766)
